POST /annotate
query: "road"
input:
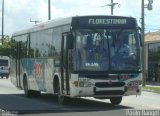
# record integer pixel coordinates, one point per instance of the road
(13, 101)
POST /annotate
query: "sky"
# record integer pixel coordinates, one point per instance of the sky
(18, 13)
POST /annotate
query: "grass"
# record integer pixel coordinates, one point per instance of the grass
(152, 89)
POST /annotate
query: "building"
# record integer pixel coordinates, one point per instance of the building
(152, 50)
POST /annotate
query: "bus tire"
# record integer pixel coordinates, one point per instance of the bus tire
(62, 100)
(27, 92)
(116, 100)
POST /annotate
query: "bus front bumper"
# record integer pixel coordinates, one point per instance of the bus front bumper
(87, 87)
(105, 92)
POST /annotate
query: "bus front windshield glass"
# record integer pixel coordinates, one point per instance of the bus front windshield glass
(3, 62)
(104, 50)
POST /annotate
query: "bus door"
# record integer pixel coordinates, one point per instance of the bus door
(65, 65)
(18, 54)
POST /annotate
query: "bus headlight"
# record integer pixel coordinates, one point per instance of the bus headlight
(85, 84)
(133, 85)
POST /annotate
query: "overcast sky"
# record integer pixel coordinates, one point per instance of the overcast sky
(19, 12)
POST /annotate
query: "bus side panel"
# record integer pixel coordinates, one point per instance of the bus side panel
(39, 73)
(43, 49)
(47, 57)
(33, 71)
(13, 76)
(48, 74)
(17, 72)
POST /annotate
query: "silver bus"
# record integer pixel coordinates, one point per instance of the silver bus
(82, 56)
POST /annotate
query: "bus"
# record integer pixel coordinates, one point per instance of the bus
(81, 56)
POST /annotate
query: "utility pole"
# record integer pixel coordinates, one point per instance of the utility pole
(144, 65)
(49, 9)
(112, 5)
(143, 45)
(2, 20)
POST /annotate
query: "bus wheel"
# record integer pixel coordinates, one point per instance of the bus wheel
(25, 86)
(29, 93)
(115, 100)
(63, 100)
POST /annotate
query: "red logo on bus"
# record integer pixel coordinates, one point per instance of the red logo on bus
(38, 70)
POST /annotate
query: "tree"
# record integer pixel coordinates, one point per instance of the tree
(5, 48)
(8, 47)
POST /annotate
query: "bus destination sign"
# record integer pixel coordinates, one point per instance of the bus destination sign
(106, 21)
(103, 22)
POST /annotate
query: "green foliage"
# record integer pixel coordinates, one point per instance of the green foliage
(5, 49)
(154, 55)
(155, 89)
(12, 48)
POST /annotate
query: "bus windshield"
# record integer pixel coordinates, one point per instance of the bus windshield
(107, 49)
(3, 62)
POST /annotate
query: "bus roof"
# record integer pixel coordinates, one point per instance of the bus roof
(4, 57)
(45, 25)
(74, 21)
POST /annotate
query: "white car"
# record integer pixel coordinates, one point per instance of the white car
(4, 66)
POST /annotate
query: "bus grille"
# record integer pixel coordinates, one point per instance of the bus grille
(106, 84)
(113, 92)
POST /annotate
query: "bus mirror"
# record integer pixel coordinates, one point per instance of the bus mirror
(139, 29)
(70, 41)
(140, 36)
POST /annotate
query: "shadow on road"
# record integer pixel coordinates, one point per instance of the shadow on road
(48, 104)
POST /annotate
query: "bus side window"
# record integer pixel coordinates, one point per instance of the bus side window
(28, 47)
(64, 50)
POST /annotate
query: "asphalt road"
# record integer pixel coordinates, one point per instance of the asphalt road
(13, 102)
